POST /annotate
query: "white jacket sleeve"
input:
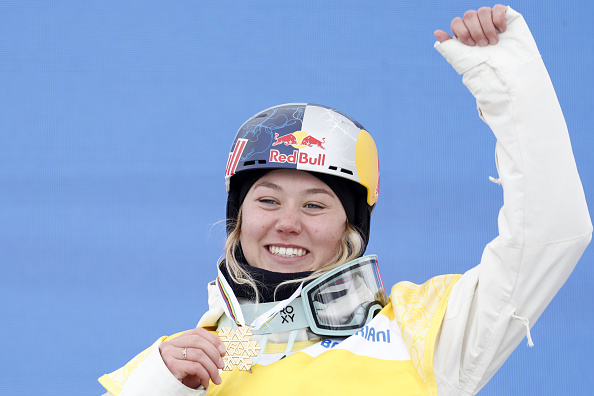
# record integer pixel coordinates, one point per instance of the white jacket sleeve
(544, 225)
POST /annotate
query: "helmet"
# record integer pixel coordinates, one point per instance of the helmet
(312, 138)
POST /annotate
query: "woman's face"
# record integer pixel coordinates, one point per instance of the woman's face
(291, 222)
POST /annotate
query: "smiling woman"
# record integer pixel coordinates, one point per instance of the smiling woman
(302, 311)
(291, 222)
(287, 214)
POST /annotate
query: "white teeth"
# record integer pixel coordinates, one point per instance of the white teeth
(286, 252)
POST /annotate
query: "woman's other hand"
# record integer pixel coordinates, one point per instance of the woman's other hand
(194, 357)
(477, 27)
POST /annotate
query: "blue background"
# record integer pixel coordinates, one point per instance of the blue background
(116, 118)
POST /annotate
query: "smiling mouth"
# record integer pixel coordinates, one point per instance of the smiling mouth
(286, 251)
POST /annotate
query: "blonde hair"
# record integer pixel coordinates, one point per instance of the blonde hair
(350, 247)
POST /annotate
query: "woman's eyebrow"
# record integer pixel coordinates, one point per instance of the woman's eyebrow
(309, 191)
(269, 185)
(318, 191)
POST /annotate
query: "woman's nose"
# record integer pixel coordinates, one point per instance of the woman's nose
(289, 221)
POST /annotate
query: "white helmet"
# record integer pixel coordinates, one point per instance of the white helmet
(312, 138)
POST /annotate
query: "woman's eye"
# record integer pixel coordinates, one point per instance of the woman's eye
(313, 206)
(267, 201)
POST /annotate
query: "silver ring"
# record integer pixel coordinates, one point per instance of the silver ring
(185, 353)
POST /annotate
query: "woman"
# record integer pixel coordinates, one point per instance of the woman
(302, 183)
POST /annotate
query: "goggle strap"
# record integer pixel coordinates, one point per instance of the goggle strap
(292, 318)
(267, 316)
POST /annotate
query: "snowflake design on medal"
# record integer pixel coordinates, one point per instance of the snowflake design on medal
(240, 349)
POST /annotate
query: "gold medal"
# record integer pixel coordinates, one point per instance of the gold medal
(240, 349)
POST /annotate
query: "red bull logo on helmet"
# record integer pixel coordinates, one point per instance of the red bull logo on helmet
(299, 140)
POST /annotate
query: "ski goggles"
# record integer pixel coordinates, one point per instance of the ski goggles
(338, 303)
(345, 299)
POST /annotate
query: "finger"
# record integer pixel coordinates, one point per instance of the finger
(203, 355)
(200, 352)
(181, 369)
(210, 337)
(216, 341)
(193, 338)
(499, 17)
(196, 347)
(193, 381)
(473, 25)
(192, 373)
(441, 36)
(204, 361)
(197, 365)
(461, 31)
(485, 15)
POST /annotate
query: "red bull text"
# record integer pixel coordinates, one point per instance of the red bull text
(296, 157)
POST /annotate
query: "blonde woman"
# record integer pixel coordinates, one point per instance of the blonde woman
(303, 180)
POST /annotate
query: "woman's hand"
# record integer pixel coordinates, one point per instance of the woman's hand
(203, 351)
(480, 26)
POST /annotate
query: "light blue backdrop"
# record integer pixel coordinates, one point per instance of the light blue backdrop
(116, 118)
